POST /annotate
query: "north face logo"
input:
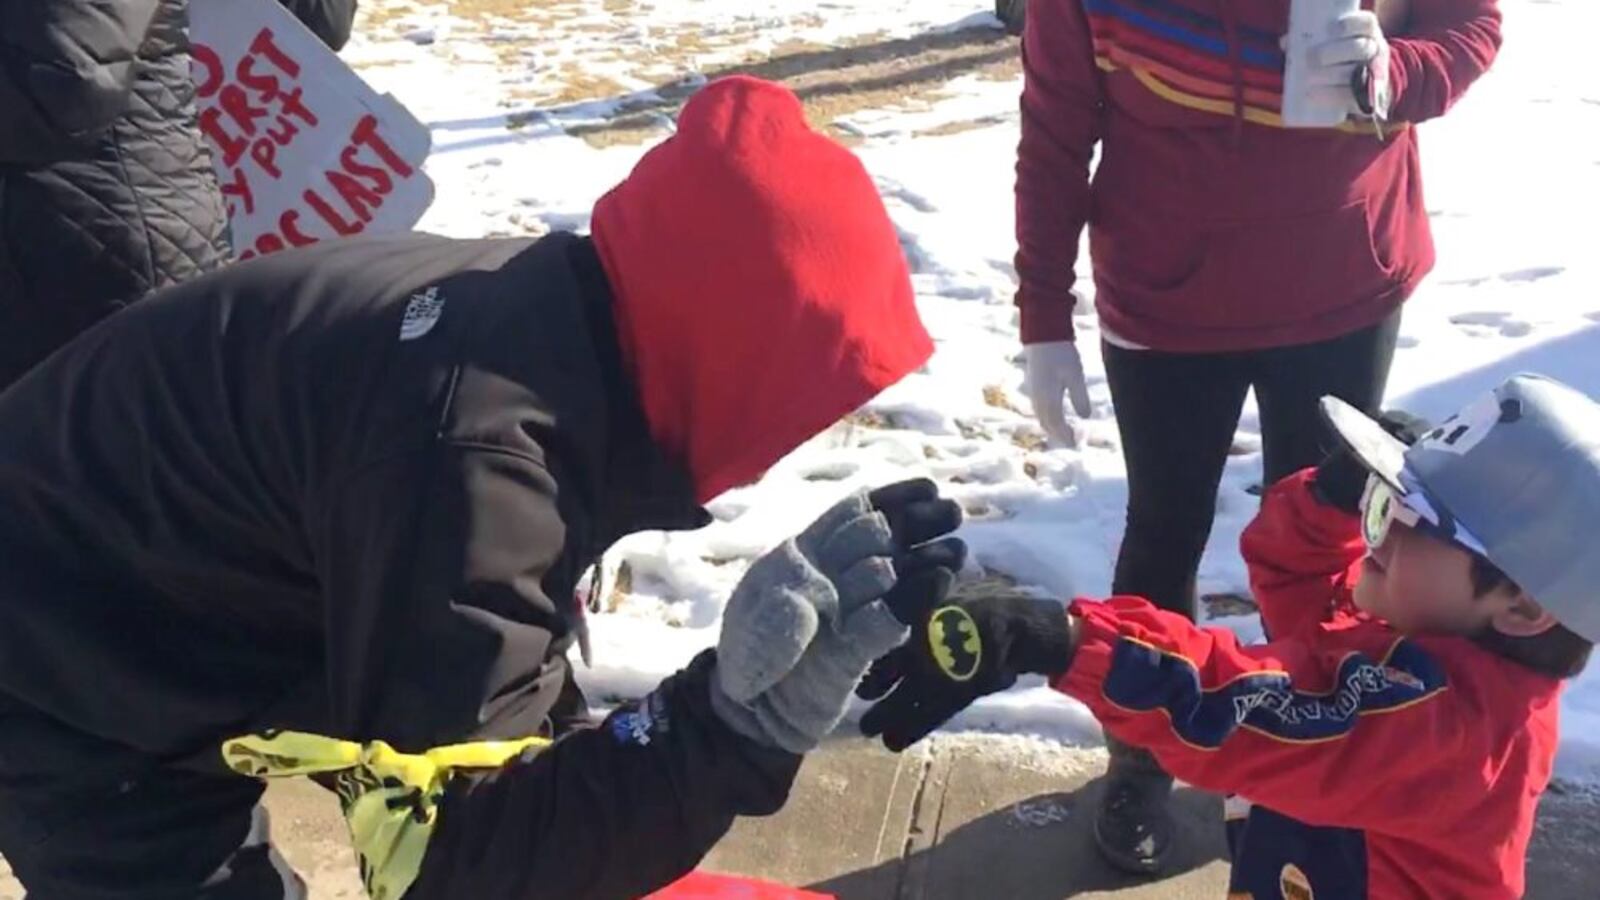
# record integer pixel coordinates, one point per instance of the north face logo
(422, 313)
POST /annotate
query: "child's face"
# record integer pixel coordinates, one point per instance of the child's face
(1421, 584)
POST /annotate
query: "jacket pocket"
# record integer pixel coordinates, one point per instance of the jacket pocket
(1141, 258)
(1259, 274)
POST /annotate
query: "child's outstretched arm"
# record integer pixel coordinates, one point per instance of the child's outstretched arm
(1347, 729)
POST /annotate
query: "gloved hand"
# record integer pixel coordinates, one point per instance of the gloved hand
(1352, 67)
(958, 652)
(1054, 368)
(1341, 478)
(810, 616)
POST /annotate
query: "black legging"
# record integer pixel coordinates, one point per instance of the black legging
(1177, 414)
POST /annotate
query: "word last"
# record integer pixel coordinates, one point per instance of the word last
(343, 198)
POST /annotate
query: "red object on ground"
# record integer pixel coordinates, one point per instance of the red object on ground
(704, 886)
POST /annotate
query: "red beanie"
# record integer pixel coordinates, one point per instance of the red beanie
(761, 292)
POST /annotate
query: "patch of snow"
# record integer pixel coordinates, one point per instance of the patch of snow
(1512, 174)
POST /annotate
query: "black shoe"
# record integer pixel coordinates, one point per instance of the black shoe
(1133, 826)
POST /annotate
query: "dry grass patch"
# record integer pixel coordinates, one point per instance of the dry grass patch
(870, 73)
(1030, 440)
(995, 396)
(475, 11)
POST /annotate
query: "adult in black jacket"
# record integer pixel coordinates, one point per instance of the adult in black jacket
(329, 20)
(324, 512)
(106, 190)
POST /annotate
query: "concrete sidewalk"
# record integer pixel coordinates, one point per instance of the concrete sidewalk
(962, 817)
(958, 818)
(995, 817)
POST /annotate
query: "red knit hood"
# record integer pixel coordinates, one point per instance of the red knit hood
(761, 292)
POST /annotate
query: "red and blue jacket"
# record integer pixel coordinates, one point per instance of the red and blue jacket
(1379, 764)
(1211, 226)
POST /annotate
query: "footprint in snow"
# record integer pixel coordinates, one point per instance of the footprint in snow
(897, 191)
(993, 471)
(724, 509)
(917, 258)
(977, 509)
(1482, 324)
(967, 292)
(1515, 276)
(1536, 273)
(831, 471)
(1004, 267)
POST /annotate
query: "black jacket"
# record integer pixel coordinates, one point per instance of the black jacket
(350, 490)
(106, 189)
(329, 20)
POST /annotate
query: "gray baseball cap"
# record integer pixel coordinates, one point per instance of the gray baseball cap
(1515, 477)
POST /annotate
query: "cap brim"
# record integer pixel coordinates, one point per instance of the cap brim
(1381, 452)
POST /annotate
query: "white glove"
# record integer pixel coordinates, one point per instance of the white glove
(1054, 368)
(1351, 68)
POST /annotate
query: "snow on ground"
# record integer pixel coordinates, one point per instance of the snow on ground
(1513, 177)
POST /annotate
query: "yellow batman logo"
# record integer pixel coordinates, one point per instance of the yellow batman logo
(953, 638)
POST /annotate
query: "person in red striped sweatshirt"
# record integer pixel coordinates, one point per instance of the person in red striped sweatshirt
(1229, 253)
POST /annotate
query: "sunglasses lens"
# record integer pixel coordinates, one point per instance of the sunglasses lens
(1376, 513)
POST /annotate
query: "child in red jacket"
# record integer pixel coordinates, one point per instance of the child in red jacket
(1398, 728)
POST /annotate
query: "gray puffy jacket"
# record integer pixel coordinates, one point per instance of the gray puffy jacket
(106, 188)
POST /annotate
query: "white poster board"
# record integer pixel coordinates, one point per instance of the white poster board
(304, 149)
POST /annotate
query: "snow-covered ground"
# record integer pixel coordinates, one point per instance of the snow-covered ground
(1513, 181)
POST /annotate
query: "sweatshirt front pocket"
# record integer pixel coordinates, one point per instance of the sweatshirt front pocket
(1263, 273)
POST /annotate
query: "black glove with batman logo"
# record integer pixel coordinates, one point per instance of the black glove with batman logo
(1341, 479)
(958, 651)
(955, 643)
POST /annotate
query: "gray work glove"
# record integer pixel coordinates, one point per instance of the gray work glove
(809, 617)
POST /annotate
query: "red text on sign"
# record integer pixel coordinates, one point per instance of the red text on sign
(347, 196)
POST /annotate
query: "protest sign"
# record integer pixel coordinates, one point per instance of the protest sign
(304, 150)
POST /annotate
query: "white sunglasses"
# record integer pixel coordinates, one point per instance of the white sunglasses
(1382, 506)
